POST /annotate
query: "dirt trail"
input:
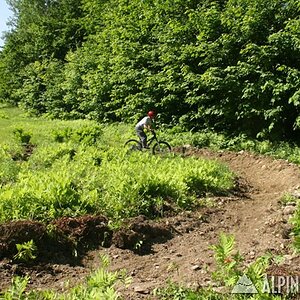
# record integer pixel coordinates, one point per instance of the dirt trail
(255, 218)
(252, 214)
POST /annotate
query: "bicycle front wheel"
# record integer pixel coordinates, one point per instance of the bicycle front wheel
(161, 148)
(133, 145)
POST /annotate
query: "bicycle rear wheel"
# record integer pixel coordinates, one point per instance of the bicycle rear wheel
(161, 148)
(133, 145)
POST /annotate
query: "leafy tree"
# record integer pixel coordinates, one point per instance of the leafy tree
(42, 30)
(226, 65)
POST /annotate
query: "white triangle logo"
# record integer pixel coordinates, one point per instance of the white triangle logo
(244, 286)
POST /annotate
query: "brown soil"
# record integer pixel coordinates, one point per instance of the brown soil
(27, 150)
(175, 248)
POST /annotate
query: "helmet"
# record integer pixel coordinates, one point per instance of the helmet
(151, 114)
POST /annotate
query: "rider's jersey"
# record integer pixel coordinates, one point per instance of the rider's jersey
(146, 121)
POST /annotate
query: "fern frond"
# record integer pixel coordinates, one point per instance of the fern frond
(224, 249)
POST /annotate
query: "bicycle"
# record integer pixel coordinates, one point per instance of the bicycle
(159, 147)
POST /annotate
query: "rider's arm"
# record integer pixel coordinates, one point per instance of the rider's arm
(148, 127)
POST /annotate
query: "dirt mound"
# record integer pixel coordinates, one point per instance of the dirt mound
(139, 234)
(69, 234)
(53, 242)
(86, 231)
(177, 248)
(17, 233)
(57, 240)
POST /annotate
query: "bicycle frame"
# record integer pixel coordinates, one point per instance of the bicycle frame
(153, 138)
(158, 145)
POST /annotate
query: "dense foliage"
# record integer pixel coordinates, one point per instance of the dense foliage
(50, 169)
(227, 65)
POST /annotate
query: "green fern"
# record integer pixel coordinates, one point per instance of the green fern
(224, 249)
(228, 262)
(256, 271)
(17, 289)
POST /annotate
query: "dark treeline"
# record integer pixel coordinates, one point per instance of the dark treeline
(226, 65)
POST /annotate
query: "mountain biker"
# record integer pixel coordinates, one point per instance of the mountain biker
(145, 123)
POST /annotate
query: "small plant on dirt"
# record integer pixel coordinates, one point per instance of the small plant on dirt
(228, 262)
(291, 200)
(26, 146)
(17, 289)
(138, 245)
(230, 269)
(99, 285)
(26, 252)
(295, 221)
(288, 198)
(173, 266)
(172, 291)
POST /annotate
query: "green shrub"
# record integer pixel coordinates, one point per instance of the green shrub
(111, 182)
(85, 169)
(88, 134)
(22, 136)
(216, 141)
(3, 115)
(26, 252)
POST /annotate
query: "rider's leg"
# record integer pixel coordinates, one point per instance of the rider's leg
(143, 137)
